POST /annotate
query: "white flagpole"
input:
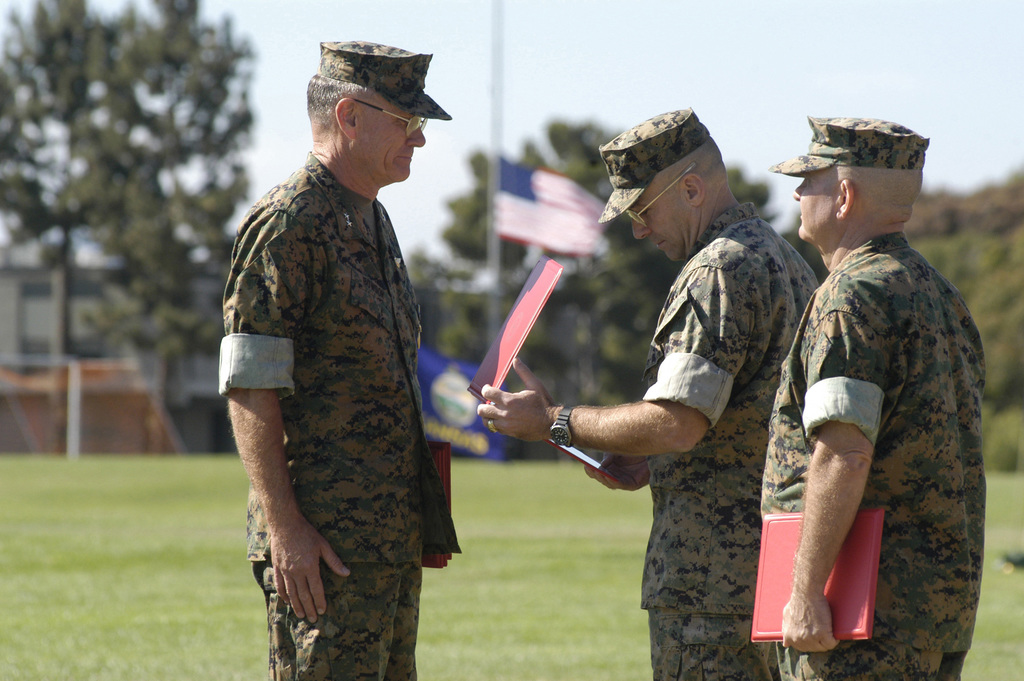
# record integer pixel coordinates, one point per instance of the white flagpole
(493, 243)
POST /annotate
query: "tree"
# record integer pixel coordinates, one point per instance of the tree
(591, 342)
(126, 132)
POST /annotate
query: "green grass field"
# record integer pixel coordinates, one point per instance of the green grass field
(134, 569)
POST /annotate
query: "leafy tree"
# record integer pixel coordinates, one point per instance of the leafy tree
(126, 132)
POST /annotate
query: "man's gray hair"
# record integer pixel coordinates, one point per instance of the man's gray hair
(323, 95)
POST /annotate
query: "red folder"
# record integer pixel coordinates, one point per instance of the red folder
(851, 586)
(513, 333)
(442, 453)
(516, 328)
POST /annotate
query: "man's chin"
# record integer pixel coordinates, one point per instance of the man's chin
(403, 168)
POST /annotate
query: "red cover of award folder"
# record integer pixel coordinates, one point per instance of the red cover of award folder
(850, 589)
(520, 320)
(513, 333)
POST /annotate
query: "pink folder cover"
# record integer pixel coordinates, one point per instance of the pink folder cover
(513, 333)
(850, 589)
(516, 328)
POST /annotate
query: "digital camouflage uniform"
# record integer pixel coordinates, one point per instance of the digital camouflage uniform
(319, 306)
(314, 277)
(723, 332)
(888, 344)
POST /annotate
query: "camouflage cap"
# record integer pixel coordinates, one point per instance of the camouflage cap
(637, 155)
(863, 142)
(396, 75)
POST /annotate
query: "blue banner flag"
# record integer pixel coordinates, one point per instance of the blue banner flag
(449, 410)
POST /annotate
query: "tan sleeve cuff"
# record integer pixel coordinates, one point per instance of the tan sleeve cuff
(694, 381)
(256, 362)
(846, 400)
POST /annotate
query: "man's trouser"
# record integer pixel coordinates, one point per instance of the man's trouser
(697, 647)
(872, 660)
(368, 632)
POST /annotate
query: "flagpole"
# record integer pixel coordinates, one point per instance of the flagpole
(493, 243)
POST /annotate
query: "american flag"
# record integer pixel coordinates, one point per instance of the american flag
(547, 209)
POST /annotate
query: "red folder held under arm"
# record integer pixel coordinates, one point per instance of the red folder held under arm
(851, 586)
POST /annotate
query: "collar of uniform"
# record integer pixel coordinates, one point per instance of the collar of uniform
(344, 199)
(884, 244)
(325, 178)
(887, 242)
(743, 211)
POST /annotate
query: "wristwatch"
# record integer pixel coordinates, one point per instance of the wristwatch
(560, 433)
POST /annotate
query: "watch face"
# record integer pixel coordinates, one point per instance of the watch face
(560, 435)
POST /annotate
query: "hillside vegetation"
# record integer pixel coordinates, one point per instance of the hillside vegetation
(977, 241)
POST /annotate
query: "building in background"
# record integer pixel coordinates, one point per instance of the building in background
(98, 399)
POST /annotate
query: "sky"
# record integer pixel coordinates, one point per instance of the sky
(751, 70)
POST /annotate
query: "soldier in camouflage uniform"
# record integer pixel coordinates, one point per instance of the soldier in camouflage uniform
(699, 434)
(879, 407)
(319, 367)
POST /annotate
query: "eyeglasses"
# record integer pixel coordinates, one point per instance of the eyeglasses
(634, 215)
(411, 124)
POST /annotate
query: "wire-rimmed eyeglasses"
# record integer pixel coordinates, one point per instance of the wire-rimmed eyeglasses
(411, 124)
(635, 215)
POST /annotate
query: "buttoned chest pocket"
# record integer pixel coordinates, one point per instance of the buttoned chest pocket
(369, 298)
(391, 324)
(370, 316)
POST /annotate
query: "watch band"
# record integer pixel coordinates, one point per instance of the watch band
(563, 416)
(560, 432)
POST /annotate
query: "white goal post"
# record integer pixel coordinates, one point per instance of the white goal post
(71, 406)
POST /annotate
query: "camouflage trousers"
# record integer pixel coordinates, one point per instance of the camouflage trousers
(368, 632)
(873, 660)
(689, 647)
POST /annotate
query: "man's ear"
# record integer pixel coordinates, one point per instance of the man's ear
(345, 115)
(845, 197)
(694, 189)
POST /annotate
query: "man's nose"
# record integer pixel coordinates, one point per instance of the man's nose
(640, 230)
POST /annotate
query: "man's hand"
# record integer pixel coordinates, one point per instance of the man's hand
(526, 415)
(807, 624)
(632, 472)
(295, 552)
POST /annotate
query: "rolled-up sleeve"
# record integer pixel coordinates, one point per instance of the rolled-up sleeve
(846, 400)
(694, 381)
(256, 362)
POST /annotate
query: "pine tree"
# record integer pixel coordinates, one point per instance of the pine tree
(126, 132)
